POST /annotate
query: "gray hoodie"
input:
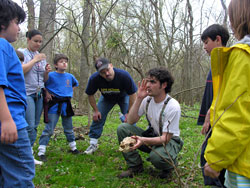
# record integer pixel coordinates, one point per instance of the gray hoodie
(245, 40)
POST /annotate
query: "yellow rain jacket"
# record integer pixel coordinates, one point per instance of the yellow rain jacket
(229, 145)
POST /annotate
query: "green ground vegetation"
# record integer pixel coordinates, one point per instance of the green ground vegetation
(100, 170)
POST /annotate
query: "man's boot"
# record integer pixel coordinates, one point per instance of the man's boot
(131, 171)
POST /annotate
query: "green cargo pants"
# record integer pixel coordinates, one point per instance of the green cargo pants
(158, 154)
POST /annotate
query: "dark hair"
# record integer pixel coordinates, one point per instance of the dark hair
(58, 57)
(32, 33)
(214, 30)
(9, 11)
(20, 55)
(239, 15)
(163, 75)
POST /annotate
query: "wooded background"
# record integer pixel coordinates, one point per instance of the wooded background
(134, 35)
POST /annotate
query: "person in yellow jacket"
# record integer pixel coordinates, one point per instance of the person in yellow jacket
(229, 145)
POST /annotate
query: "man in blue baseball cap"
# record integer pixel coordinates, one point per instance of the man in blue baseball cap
(116, 87)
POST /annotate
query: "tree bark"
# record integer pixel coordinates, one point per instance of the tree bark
(84, 66)
(31, 14)
(47, 25)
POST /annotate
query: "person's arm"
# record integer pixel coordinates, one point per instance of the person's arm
(208, 171)
(133, 116)
(8, 126)
(96, 114)
(152, 141)
(206, 123)
(46, 73)
(27, 66)
(48, 95)
(131, 100)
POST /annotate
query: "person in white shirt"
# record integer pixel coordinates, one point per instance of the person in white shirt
(163, 115)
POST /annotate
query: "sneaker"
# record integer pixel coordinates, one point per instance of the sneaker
(42, 158)
(131, 172)
(91, 149)
(75, 152)
(37, 162)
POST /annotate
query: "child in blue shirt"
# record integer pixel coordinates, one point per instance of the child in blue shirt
(17, 168)
(59, 86)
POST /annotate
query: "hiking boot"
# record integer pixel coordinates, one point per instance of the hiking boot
(166, 174)
(91, 149)
(43, 158)
(37, 162)
(131, 172)
(75, 152)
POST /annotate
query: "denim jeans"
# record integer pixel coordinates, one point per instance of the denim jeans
(50, 127)
(17, 168)
(104, 106)
(33, 115)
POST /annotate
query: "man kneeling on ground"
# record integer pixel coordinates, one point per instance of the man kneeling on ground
(163, 115)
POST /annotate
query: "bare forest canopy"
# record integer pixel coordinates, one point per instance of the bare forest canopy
(135, 35)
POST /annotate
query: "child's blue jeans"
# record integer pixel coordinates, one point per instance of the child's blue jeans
(49, 129)
(17, 168)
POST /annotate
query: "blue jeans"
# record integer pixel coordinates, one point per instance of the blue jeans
(50, 127)
(33, 115)
(17, 168)
(104, 107)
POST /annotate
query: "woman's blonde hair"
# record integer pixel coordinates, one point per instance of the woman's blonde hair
(239, 15)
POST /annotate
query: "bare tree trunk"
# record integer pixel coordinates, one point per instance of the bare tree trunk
(47, 24)
(84, 66)
(158, 46)
(225, 13)
(191, 50)
(188, 58)
(31, 14)
(95, 42)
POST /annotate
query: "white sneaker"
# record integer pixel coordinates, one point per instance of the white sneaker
(37, 162)
(91, 149)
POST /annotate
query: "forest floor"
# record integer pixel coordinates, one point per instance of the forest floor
(100, 170)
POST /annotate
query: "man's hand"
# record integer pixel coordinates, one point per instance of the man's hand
(138, 143)
(208, 171)
(206, 123)
(142, 89)
(97, 116)
(8, 131)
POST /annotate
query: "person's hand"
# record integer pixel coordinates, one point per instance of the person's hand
(39, 57)
(48, 68)
(208, 171)
(138, 143)
(142, 89)
(206, 123)
(8, 132)
(97, 116)
(48, 96)
(126, 117)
